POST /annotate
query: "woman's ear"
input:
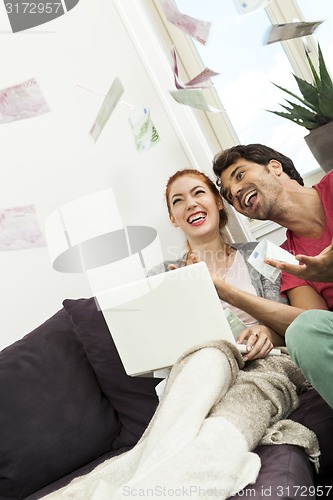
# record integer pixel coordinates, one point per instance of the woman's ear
(174, 223)
(220, 204)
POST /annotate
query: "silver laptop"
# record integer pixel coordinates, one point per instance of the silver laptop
(154, 320)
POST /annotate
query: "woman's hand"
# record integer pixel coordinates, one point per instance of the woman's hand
(220, 284)
(193, 259)
(258, 343)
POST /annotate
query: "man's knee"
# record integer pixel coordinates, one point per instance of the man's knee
(300, 332)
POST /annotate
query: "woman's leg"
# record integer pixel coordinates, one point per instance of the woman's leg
(309, 340)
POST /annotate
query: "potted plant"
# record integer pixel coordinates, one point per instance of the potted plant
(315, 113)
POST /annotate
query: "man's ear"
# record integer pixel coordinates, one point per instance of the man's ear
(276, 167)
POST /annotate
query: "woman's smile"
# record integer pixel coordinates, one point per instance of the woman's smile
(197, 218)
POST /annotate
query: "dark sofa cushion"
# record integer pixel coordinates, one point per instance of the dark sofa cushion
(317, 415)
(54, 416)
(285, 473)
(133, 398)
(65, 480)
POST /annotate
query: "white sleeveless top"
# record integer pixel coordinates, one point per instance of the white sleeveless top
(238, 275)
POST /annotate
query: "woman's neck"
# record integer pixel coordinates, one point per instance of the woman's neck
(214, 252)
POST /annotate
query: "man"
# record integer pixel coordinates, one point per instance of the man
(262, 183)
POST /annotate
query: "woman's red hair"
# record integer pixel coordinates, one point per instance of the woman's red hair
(206, 180)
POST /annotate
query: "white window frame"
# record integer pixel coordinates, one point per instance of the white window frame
(278, 11)
(202, 134)
(145, 25)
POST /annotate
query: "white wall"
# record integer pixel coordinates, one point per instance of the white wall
(51, 159)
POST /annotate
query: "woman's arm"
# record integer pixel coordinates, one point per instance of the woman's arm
(269, 312)
(273, 314)
(276, 339)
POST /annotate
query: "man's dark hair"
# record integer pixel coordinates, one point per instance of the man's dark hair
(257, 153)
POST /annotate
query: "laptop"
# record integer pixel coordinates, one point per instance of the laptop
(153, 321)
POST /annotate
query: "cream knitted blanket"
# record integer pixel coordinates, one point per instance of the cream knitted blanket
(200, 439)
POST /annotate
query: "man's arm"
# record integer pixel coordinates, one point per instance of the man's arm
(318, 268)
(306, 297)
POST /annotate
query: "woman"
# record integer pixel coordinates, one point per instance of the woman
(195, 206)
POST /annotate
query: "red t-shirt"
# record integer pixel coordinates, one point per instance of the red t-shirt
(313, 246)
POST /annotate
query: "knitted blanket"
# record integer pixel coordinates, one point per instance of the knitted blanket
(199, 441)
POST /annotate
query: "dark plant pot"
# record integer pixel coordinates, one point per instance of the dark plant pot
(320, 142)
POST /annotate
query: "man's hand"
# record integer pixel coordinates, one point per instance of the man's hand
(318, 268)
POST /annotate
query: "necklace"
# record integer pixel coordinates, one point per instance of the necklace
(218, 267)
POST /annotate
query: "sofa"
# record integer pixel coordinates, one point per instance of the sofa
(67, 405)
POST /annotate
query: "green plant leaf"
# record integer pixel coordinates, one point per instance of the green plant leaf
(301, 115)
(303, 101)
(326, 106)
(297, 110)
(309, 92)
(317, 97)
(314, 72)
(307, 124)
(326, 80)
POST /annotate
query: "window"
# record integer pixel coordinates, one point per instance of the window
(321, 10)
(247, 69)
